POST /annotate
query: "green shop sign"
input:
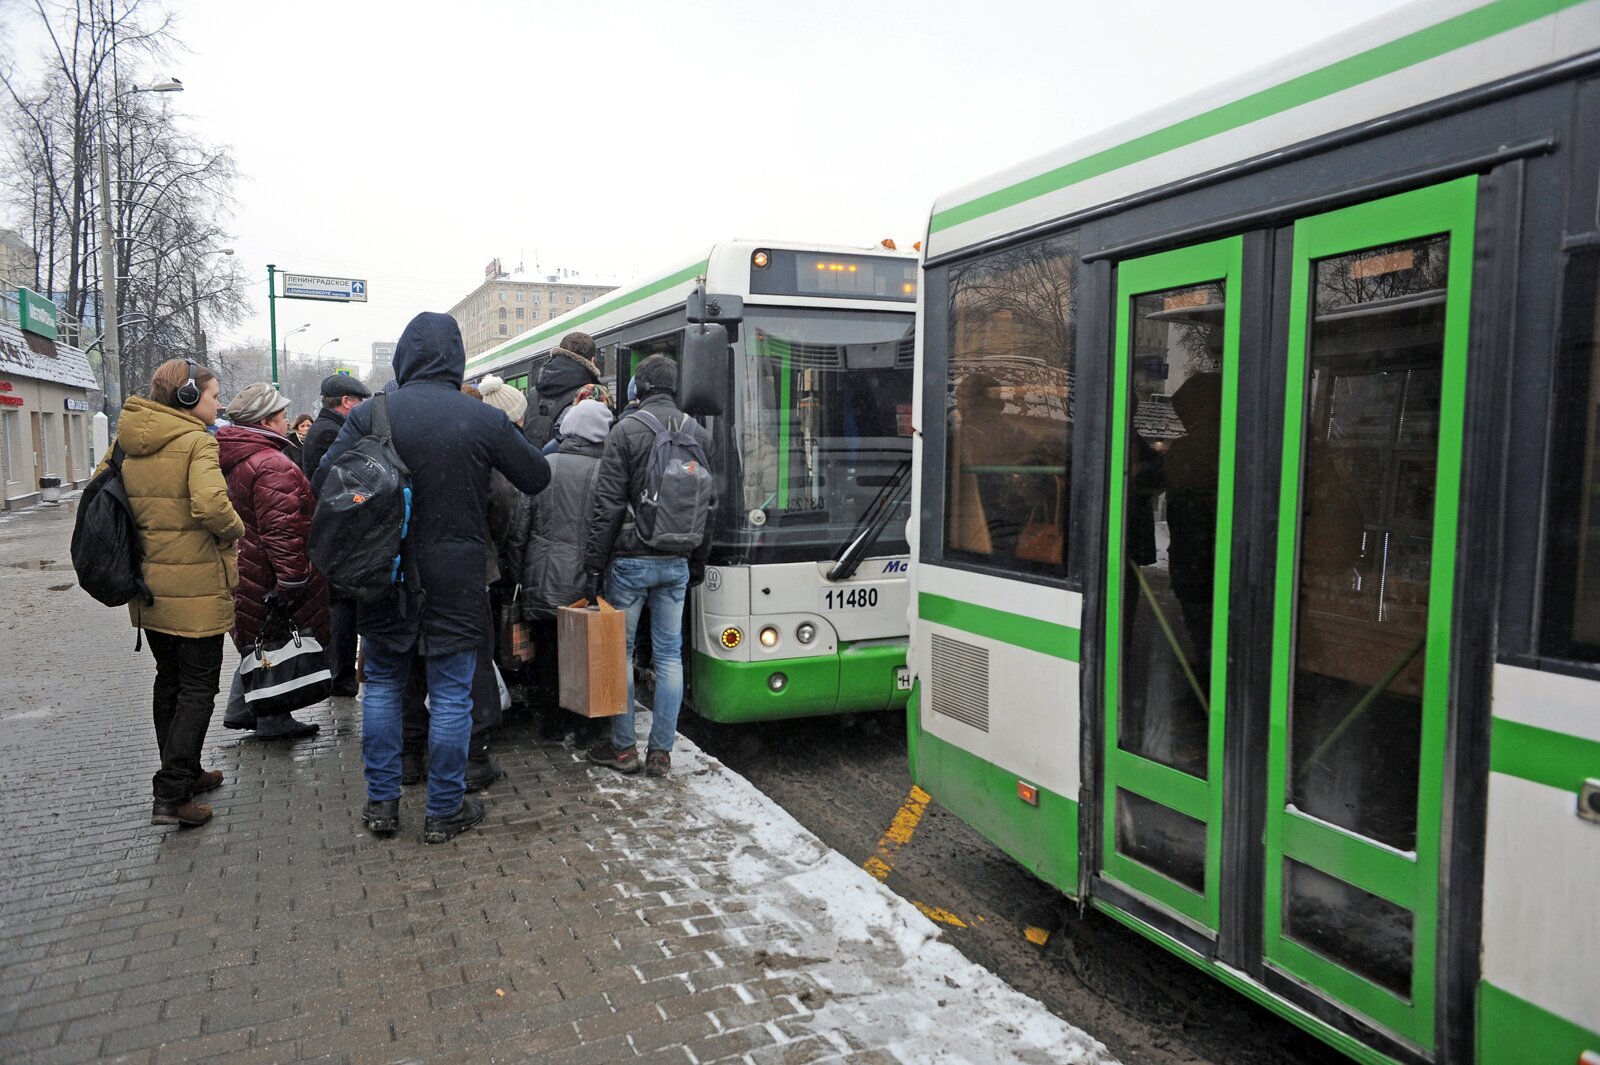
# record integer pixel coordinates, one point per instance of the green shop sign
(36, 314)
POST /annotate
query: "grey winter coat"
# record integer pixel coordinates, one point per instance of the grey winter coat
(557, 524)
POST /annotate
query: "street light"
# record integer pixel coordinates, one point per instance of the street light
(325, 343)
(108, 257)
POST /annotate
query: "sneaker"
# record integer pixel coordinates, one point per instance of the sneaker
(482, 772)
(624, 760)
(657, 763)
(381, 818)
(444, 829)
(284, 727)
(209, 780)
(189, 814)
(412, 769)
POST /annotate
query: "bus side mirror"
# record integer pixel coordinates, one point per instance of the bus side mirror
(703, 306)
(703, 370)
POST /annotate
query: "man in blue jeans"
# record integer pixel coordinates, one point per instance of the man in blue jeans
(639, 573)
(440, 611)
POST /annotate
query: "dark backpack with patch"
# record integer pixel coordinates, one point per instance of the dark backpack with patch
(105, 540)
(674, 507)
(363, 511)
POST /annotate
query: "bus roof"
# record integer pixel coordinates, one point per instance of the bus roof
(726, 268)
(1421, 52)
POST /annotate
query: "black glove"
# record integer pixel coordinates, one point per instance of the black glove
(591, 586)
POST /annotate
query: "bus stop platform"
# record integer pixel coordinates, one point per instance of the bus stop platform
(590, 918)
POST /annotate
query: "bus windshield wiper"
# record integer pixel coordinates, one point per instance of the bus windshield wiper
(873, 521)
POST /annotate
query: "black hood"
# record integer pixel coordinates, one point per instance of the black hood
(430, 349)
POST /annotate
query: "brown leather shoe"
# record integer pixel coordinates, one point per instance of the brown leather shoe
(209, 780)
(190, 814)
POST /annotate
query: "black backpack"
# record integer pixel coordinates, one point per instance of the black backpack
(363, 513)
(105, 540)
(672, 511)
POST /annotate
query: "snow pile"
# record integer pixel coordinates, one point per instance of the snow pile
(888, 976)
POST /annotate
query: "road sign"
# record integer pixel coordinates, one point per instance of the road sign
(337, 289)
(344, 371)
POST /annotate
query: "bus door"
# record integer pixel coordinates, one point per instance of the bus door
(1175, 388)
(1324, 883)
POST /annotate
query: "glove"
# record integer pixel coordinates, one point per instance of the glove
(591, 586)
(697, 573)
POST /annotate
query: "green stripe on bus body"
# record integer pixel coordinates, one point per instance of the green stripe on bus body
(597, 309)
(1425, 44)
(1042, 838)
(1512, 1031)
(1046, 637)
(1554, 759)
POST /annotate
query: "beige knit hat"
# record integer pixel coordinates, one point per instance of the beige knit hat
(255, 403)
(497, 393)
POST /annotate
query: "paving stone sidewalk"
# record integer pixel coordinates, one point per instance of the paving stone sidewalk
(589, 919)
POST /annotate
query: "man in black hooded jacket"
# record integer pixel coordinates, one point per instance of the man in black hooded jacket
(571, 366)
(341, 394)
(450, 442)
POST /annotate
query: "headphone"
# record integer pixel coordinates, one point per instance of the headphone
(188, 393)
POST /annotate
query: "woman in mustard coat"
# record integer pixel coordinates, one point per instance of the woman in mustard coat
(187, 533)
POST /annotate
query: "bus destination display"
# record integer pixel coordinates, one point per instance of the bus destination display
(859, 277)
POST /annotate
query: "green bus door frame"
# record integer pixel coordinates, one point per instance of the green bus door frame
(1196, 799)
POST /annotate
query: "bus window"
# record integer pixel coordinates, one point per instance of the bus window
(1013, 331)
(1571, 626)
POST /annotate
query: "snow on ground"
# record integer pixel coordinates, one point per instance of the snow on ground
(883, 963)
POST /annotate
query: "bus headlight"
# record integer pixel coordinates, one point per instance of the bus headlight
(768, 637)
(805, 632)
(777, 682)
(731, 637)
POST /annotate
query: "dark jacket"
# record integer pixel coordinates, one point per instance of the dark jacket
(621, 480)
(274, 498)
(450, 442)
(557, 526)
(319, 438)
(559, 381)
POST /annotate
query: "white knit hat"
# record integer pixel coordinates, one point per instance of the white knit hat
(497, 393)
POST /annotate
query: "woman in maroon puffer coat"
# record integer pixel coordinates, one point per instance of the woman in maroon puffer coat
(274, 500)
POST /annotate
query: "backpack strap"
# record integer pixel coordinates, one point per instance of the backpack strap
(380, 417)
(649, 419)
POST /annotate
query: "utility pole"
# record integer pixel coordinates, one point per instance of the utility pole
(108, 283)
(272, 317)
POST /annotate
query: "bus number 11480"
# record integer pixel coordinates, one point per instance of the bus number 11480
(849, 598)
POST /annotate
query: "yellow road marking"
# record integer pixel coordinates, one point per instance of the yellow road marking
(937, 914)
(899, 833)
(1036, 936)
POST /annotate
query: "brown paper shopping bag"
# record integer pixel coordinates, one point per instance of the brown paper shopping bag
(591, 644)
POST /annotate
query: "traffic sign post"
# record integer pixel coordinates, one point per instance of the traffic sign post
(307, 287)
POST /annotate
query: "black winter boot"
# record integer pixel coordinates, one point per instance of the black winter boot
(444, 829)
(381, 818)
(481, 769)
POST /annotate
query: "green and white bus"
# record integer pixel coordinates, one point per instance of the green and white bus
(1257, 560)
(804, 607)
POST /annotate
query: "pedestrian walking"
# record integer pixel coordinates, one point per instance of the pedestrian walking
(449, 443)
(276, 579)
(297, 439)
(569, 369)
(187, 535)
(555, 531)
(644, 567)
(341, 394)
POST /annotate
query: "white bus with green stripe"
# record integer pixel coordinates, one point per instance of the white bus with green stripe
(1257, 560)
(804, 609)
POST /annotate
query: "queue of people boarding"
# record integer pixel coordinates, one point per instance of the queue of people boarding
(508, 507)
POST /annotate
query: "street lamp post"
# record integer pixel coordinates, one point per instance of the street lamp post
(286, 336)
(325, 343)
(108, 261)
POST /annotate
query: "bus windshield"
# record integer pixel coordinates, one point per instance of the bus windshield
(825, 425)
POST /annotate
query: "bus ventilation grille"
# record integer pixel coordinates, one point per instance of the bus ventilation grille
(960, 685)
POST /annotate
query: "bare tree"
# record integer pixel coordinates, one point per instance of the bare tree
(171, 193)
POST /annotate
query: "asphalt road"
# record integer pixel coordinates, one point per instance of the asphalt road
(846, 778)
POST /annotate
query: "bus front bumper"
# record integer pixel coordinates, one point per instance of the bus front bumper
(855, 679)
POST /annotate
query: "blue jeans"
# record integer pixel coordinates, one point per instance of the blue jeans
(663, 582)
(449, 724)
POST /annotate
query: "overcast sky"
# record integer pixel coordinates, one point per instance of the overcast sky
(409, 143)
